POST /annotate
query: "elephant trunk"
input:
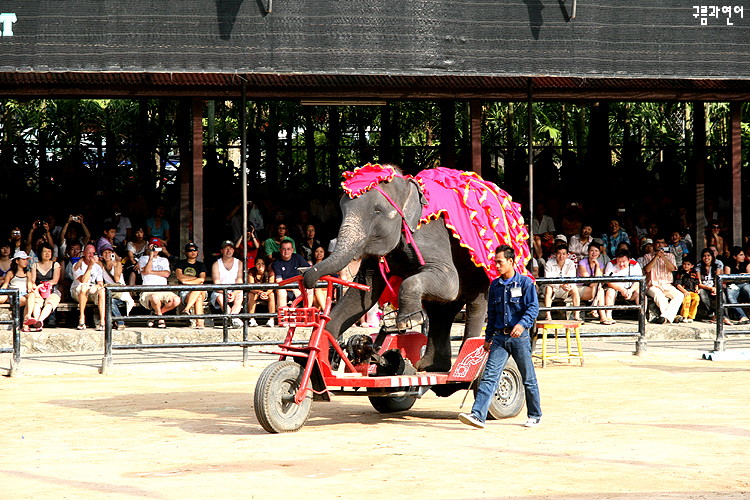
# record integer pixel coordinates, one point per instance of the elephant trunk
(349, 246)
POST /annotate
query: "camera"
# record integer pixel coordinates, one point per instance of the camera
(117, 214)
(75, 218)
(16, 233)
(112, 257)
(157, 249)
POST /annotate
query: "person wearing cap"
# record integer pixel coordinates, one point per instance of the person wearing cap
(647, 248)
(88, 284)
(113, 276)
(561, 267)
(107, 238)
(227, 270)
(155, 272)
(191, 271)
(19, 277)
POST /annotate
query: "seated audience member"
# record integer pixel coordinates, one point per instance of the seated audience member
(686, 280)
(715, 238)
(254, 218)
(74, 230)
(88, 285)
(613, 238)
(647, 248)
(107, 238)
(45, 275)
(622, 265)
(579, 243)
(123, 226)
(287, 266)
(54, 229)
(5, 262)
(737, 292)
(227, 270)
(272, 245)
(261, 273)
(155, 271)
(136, 249)
(590, 267)
(658, 268)
(17, 242)
(39, 235)
(19, 278)
(158, 227)
(678, 247)
(112, 276)
(571, 220)
(708, 269)
(561, 267)
(308, 243)
(191, 271)
(319, 294)
(253, 247)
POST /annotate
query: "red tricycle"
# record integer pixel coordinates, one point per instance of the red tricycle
(381, 364)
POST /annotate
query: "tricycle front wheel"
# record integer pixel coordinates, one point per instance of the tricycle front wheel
(274, 398)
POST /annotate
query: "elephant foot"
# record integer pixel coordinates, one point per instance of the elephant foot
(412, 320)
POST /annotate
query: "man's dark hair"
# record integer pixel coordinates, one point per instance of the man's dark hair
(507, 251)
(622, 252)
(109, 225)
(286, 241)
(561, 246)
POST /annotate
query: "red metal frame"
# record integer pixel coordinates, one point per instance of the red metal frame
(470, 360)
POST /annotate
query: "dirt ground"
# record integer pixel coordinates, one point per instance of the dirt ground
(656, 426)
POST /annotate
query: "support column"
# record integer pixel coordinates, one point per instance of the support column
(699, 150)
(475, 110)
(196, 229)
(735, 130)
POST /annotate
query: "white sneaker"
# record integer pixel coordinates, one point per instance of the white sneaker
(269, 322)
(470, 419)
(532, 422)
(236, 323)
(252, 322)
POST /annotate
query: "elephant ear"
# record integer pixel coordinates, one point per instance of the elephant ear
(413, 204)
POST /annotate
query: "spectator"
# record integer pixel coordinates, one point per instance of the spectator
(561, 267)
(658, 268)
(158, 227)
(308, 243)
(123, 226)
(543, 229)
(136, 249)
(272, 245)
(19, 277)
(254, 218)
(107, 238)
(714, 238)
(591, 266)
(708, 268)
(112, 275)
(612, 239)
(678, 247)
(88, 284)
(287, 266)
(38, 235)
(621, 265)
(737, 291)
(319, 294)
(253, 247)
(191, 271)
(74, 230)
(686, 281)
(226, 271)
(45, 275)
(16, 240)
(5, 262)
(579, 243)
(647, 248)
(155, 272)
(261, 273)
(571, 221)
(54, 229)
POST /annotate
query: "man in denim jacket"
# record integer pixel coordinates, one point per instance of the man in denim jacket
(513, 308)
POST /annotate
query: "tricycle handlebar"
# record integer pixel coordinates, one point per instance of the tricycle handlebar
(330, 279)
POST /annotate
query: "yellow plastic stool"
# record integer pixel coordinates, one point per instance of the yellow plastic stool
(544, 326)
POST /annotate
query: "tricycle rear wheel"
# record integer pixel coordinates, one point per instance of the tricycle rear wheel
(392, 404)
(274, 398)
(509, 395)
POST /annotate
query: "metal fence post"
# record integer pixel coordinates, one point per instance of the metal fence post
(721, 340)
(107, 359)
(15, 362)
(641, 344)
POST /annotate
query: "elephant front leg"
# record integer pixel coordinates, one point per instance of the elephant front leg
(431, 283)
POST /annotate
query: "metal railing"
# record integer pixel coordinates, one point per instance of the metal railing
(15, 321)
(640, 344)
(722, 305)
(225, 316)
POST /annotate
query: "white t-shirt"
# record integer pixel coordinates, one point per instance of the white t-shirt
(634, 269)
(159, 263)
(95, 276)
(552, 270)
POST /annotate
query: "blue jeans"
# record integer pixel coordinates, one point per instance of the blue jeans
(733, 295)
(504, 345)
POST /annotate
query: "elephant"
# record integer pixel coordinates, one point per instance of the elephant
(377, 223)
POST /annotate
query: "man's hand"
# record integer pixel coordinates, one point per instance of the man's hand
(517, 330)
(487, 345)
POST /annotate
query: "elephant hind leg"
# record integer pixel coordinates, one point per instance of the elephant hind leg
(432, 283)
(437, 356)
